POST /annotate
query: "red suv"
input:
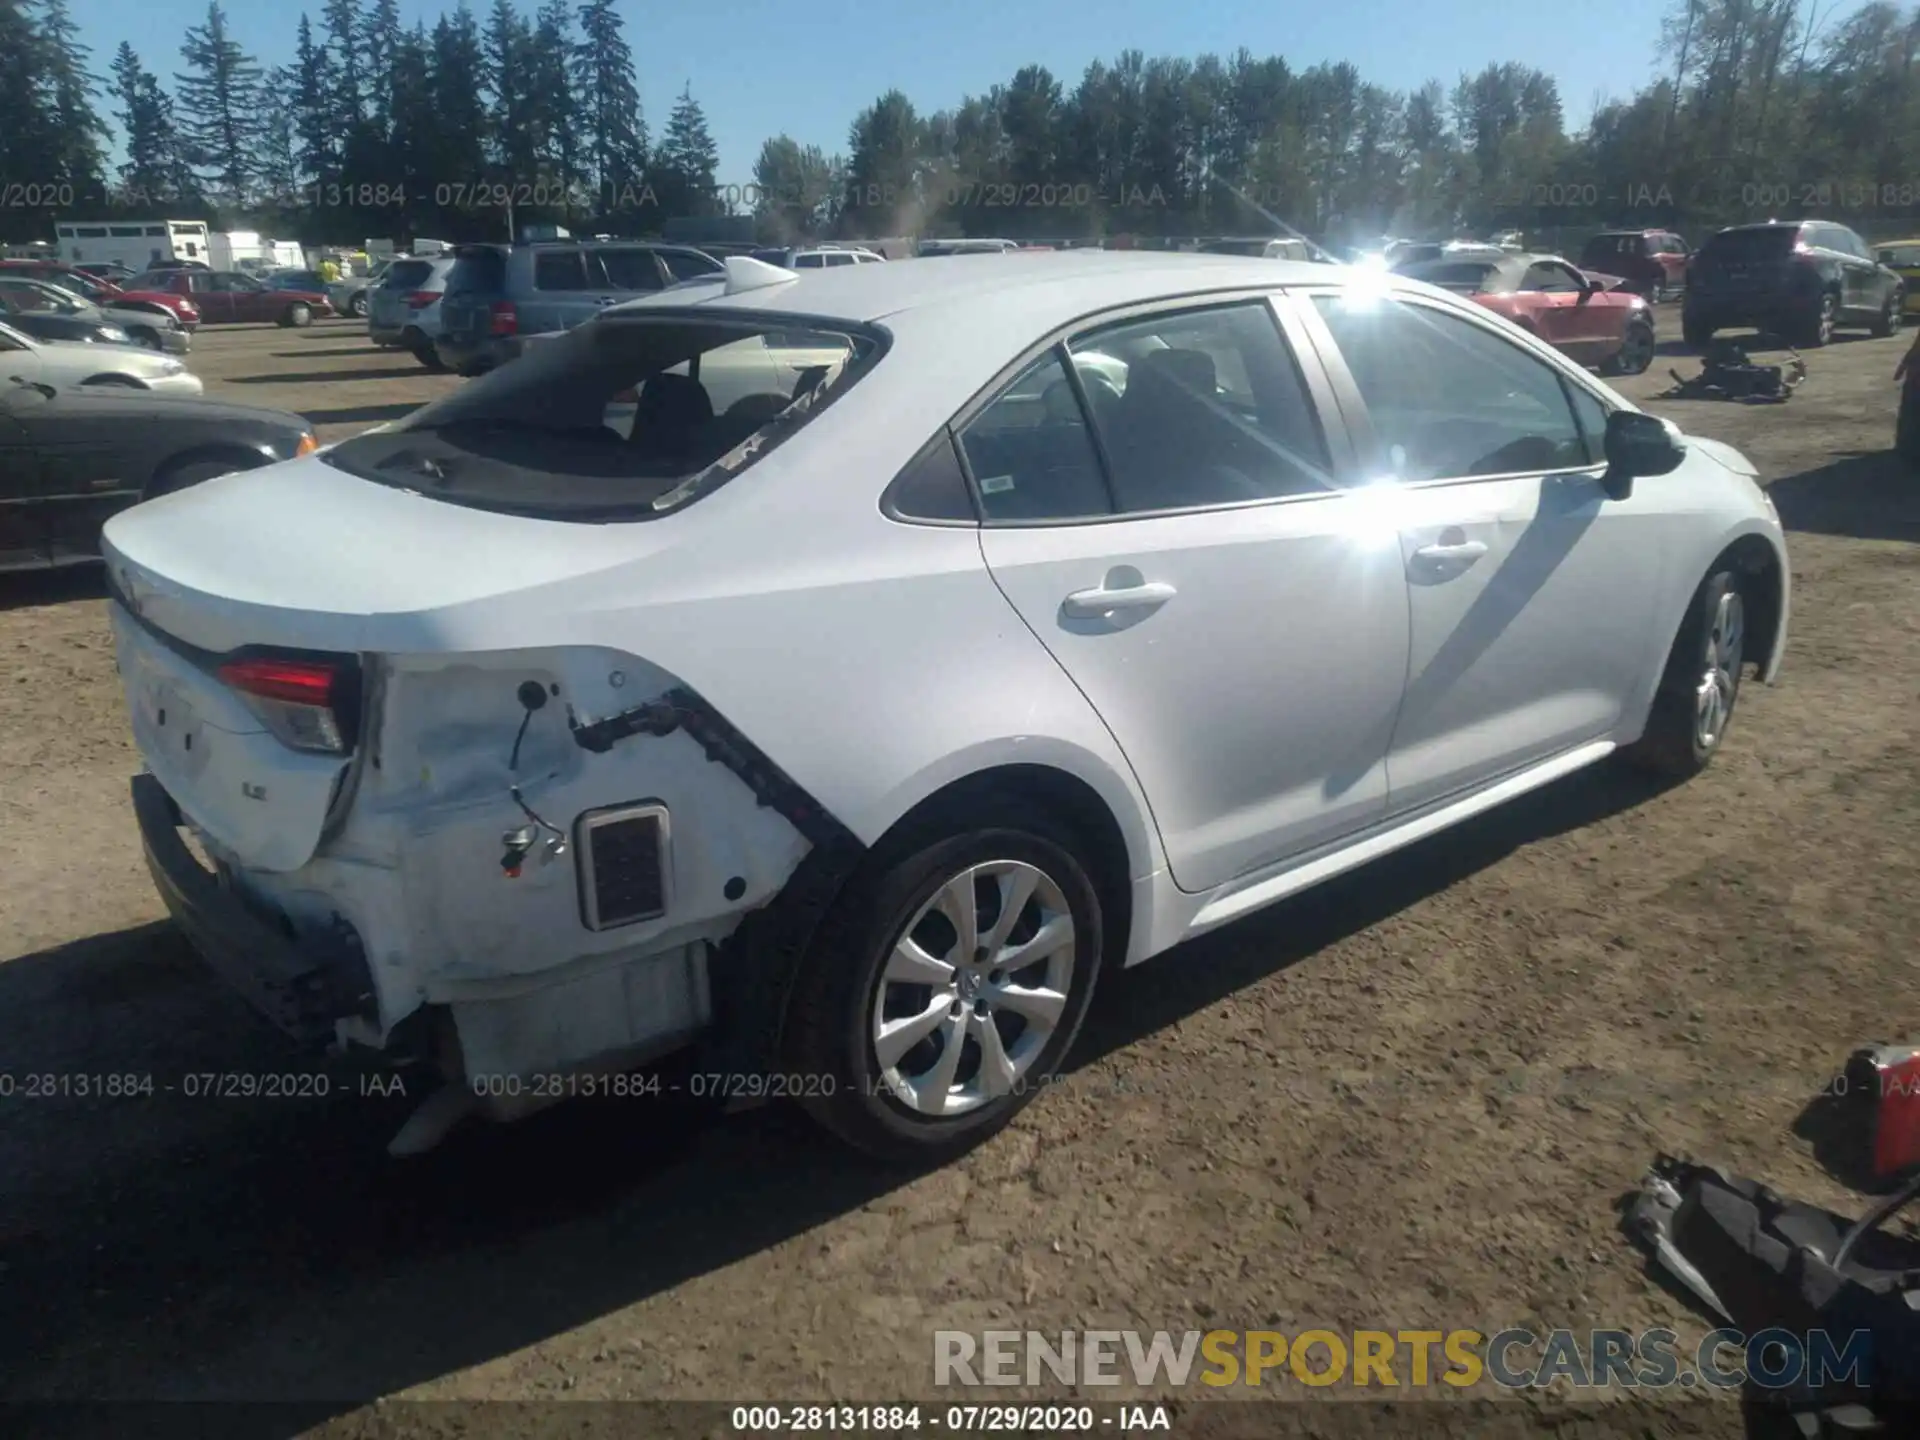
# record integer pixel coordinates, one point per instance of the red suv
(1652, 262)
(105, 292)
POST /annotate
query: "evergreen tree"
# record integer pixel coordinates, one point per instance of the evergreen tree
(551, 111)
(307, 92)
(346, 56)
(154, 168)
(385, 36)
(686, 166)
(509, 76)
(613, 136)
(220, 95)
(67, 97)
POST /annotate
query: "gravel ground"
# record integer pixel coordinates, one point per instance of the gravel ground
(1410, 1099)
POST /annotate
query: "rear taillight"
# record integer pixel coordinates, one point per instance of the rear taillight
(505, 319)
(420, 299)
(307, 704)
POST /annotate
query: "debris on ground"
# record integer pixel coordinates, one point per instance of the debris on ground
(1727, 372)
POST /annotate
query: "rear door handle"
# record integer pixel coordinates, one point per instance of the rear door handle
(1094, 603)
(1460, 552)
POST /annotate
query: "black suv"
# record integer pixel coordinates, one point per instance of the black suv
(497, 294)
(1798, 279)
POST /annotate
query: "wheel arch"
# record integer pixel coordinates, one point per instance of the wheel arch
(1761, 563)
(115, 377)
(217, 450)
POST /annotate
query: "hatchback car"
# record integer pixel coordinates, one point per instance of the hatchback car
(403, 309)
(851, 723)
(1800, 280)
(495, 292)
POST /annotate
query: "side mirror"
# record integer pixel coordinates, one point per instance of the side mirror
(1639, 445)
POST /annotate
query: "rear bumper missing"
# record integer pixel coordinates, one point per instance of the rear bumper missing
(302, 985)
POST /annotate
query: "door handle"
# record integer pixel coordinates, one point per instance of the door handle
(1094, 603)
(1462, 550)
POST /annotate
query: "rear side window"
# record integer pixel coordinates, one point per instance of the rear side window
(809, 262)
(634, 269)
(1031, 452)
(933, 487)
(477, 272)
(617, 420)
(559, 270)
(1739, 247)
(687, 264)
(840, 259)
(1448, 398)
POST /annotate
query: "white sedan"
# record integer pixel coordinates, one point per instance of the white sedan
(62, 365)
(1022, 619)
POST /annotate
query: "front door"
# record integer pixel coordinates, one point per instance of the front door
(216, 302)
(1174, 528)
(23, 529)
(1531, 594)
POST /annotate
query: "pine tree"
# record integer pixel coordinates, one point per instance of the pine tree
(613, 134)
(685, 168)
(385, 37)
(341, 19)
(151, 175)
(278, 162)
(308, 92)
(23, 119)
(220, 93)
(551, 111)
(67, 94)
(509, 52)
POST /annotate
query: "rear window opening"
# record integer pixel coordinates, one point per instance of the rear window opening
(481, 269)
(623, 418)
(407, 274)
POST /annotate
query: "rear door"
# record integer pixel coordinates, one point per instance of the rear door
(1865, 288)
(627, 272)
(1190, 558)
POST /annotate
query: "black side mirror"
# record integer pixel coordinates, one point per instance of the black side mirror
(1638, 444)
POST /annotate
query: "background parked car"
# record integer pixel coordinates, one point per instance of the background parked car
(819, 257)
(1903, 258)
(1404, 253)
(352, 294)
(155, 328)
(227, 297)
(70, 457)
(403, 310)
(1282, 249)
(1652, 262)
(53, 325)
(309, 281)
(930, 248)
(108, 270)
(495, 292)
(105, 292)
(132, 367)
(1800, 279)
(1591, 318)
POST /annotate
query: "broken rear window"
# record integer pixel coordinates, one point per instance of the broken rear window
(621, 419)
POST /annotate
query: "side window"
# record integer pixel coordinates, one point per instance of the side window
(1553, 279)
(809, 262)
(1209, 409)
(1448, 398)
(1031, 453)
(559, 270)
(629, 269)
(933, 486)
(681, 264)
(1592, 417)
(840, 258)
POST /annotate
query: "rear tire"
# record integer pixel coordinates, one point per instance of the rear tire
(1700, 685)
(1817, 330)
(975, 1040)
(297, 317)
(1888, 320)
(430, 358)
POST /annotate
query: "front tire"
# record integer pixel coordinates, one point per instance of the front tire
(1888, 320)
(1635, 355)
(297, 317)
(1700, 686)
(146, 338)
(357, 306)
(949, 982)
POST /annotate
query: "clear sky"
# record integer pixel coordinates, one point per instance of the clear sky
(807, 67)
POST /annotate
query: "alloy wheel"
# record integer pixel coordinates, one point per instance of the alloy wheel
(1720, 672)
(973, 988)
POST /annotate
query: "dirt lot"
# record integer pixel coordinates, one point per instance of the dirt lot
(1409, 1100)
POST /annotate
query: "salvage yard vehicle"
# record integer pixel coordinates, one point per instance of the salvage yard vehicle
(1594, 319)
(227, 297)
(403, 309)
(1903, 258)
(155, 328)
(71, 456)
(1652, 262)
(1801, 280)
(63, 363)
(98, 291)
(848, 729)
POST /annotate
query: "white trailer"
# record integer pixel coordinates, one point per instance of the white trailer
(136, 244)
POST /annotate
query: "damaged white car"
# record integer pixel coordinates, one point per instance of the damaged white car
(839, 672)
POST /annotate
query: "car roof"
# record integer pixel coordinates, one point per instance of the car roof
(1058, 286)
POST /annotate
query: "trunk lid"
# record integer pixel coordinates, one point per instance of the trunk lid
(1740, 262)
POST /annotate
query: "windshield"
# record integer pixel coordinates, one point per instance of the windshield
(619, 419)
(1764, 242)
(1900, 257)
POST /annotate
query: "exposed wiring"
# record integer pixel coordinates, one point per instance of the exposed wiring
(527, 694)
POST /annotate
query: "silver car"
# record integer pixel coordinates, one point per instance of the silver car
(403, 310)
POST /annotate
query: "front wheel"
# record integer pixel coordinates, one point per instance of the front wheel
(357, 306)
(297, 317)
(142, 336)
(945, 989)
(1817, 331)
(1888, 320)
(1694, 704)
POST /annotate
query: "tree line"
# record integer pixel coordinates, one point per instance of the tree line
(1761, 107)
